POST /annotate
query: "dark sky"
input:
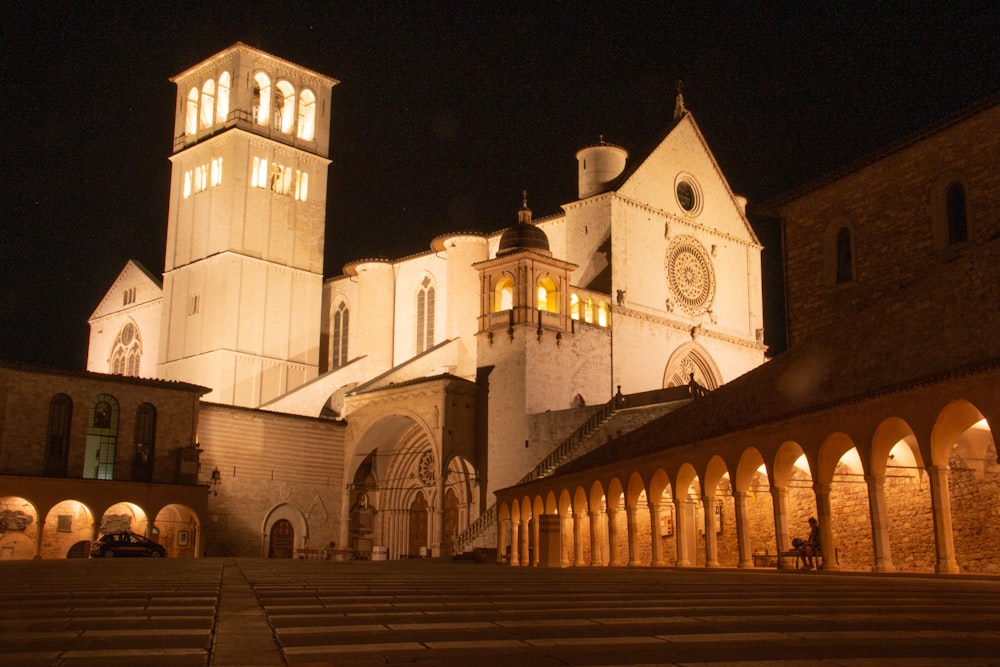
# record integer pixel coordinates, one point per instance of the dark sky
(444, 115)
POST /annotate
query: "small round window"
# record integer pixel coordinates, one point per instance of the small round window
(686, 196)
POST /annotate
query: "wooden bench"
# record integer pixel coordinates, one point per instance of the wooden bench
(800, 561)
(765, 560)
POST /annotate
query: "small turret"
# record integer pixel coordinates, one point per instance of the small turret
(598, 167)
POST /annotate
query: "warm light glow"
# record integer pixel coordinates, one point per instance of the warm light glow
(548, 297)
(588, 311)
(261, 98)
(301, 185)
(222, 99)
(503, 295)
(602, 314)
(208, 103)
(802, 463)
(187, 184)
(216, 171)
(574, 306)
(307, 115)
(284, 106)
(981, 425)
(191, 113)
(852, 460)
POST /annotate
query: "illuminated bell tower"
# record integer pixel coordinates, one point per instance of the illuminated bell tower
(243, 272)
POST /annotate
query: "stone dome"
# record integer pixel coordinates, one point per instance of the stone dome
(524, 235)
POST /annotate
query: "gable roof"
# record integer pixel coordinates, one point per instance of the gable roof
(134, 274)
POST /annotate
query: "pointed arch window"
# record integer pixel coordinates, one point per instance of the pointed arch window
(126, 353)
(845, 258)
(208, 103)
(144, 443)
(102, 438)
(222, 99)
(958, 224)
(341, 328)
(503, 295)
(425, 315)
(60, 418)
(307, 115)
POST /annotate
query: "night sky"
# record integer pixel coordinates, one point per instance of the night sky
(444, 114)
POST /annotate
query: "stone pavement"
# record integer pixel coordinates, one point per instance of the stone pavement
(242, 612)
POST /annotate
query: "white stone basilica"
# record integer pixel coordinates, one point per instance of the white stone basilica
(444, 375)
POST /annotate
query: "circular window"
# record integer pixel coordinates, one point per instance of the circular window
(425, 469)
(689, 274)
(688, 195)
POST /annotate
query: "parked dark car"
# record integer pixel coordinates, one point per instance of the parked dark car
(125, 545)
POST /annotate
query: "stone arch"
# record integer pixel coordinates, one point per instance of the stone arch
(294, 518)
(902, 498)
(179, 530)
(691, 358)
(841, 472)
(19, 520)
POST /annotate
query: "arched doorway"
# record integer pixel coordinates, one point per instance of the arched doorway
(282, 542)
(418, 525)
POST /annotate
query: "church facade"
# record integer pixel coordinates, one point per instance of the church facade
(444, 375)
(878, 420)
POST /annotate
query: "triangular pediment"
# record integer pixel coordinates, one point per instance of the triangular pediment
(134, 286)
(684, 155)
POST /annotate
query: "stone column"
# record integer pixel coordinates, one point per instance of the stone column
(613, 559)
(743, 535)
(40, 534)
(535, 533)
(711, 539)
(565, 535)
(632, 521)
(681, 532)
(779, 495)
(578, 519)
(878, 510)
(525, 542)
(656, 534)
(597, 536)
(515, 544)
(941, 509)
(828, 545)
(503, 532)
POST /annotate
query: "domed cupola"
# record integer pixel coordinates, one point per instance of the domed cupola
(524, 235)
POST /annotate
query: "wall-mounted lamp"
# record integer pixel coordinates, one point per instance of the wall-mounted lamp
(215, 480)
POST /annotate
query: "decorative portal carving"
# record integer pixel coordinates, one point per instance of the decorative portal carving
(116, 523)
(14, 520)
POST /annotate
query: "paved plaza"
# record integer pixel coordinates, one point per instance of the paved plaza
(243, 612)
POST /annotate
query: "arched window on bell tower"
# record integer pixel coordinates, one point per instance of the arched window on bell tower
(262, 99)
(208, 103)
(222, 99)
(191, 113)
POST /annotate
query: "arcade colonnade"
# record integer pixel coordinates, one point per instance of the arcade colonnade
(47, 521)
(907, 481)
